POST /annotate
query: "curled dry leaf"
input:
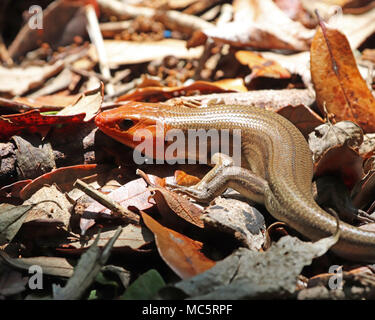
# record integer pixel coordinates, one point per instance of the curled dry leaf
(297, 63)
(171, 204)
(337, 81)
(327, 135)
(13, 190)
(89, 103)
(183, 179)
(59, 210)
(46, 103)
(367, 148)
(238, 218)
(157, 94)
(182, 254)
(335, 151)
(63, 177)
(33, 157)
(261, 67)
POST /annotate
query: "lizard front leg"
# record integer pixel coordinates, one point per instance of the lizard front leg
(225, 175)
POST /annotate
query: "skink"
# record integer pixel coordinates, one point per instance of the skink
(274, 150)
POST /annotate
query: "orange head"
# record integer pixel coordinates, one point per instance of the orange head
(133, 119)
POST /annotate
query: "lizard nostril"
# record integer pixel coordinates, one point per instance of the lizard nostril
(125, 124)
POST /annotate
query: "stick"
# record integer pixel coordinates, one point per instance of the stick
(96, 38)
(104, 200)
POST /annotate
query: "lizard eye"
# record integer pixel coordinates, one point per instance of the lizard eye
(125, 124)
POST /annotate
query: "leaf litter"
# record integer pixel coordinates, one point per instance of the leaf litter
(71, 199)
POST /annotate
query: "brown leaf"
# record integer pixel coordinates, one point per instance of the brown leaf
(302, 117)
(182, 254)
(170, 203)
(157, 94)
(337, 81)
(335, 151)
(261, 67)
(363, 191)
(63, 177)
(341, 160)
(34, 157)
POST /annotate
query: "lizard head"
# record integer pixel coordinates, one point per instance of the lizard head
(133, 122)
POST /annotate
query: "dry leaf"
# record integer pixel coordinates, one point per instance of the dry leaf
(247, 274)
(261, 24)
(17, 81)
(270, 99)
(261, 67)
(182, 254)
(11, 220)
(305, 119)
(158, 94)
(170, 204)
(86, 270)
(62, 21)
(335, 151)
(337, 81)
(53, 266)
(130, 52)
(183, 179)
(133, 193)
(367, 148)
(238, 218)
(89, 103)
(131, 236)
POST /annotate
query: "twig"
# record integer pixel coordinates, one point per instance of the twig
(96, 38)
(104, 200)
(4, 54)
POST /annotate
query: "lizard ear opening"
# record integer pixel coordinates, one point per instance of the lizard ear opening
(125, 124)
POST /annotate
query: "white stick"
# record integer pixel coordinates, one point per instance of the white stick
(96, 38)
